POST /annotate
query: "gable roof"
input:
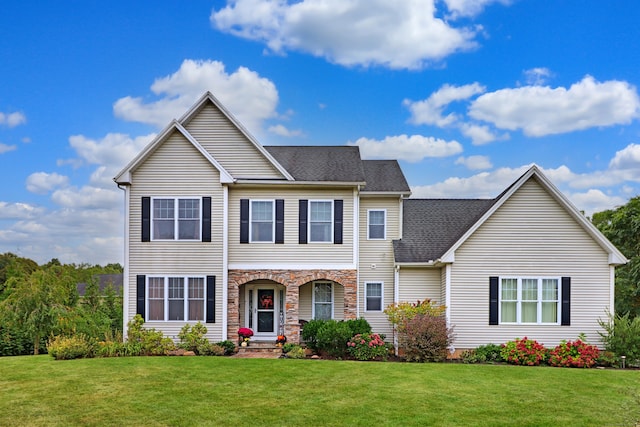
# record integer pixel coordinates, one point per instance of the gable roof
(384, 176)
(124, 177)
(467, 216)
(320, 163)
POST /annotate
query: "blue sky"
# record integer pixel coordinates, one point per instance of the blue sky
(465, 93)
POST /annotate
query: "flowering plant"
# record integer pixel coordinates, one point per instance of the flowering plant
(245, 333)
(281, 339)
(574, 354)
(367, 347)
(524, 352)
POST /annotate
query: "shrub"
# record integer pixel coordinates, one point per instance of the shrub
(310, 333)
(359, 326)
(367, 347)
(192, 338)
(524, 352)
(332, 338)
(425, 338)
(574, 354)
(293, 351)
(489, 353)
(73, 347)
(607, 359)
(146, 342)
(399, 313)
(622, 337)
(228, 346)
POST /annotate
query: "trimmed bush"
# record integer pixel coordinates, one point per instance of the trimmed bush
(73, 347)
(293, 351)
(574, 354)
(489, 353)
(228, 346)
(425, 338)
(367, 347)
(332, 338)
(146, 342)
(310, 333)
(524, 352)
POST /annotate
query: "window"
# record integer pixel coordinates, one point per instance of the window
(262, 224)
(377, 221)
(529, 300)
(323, 301)
(320, 221)
(373, 296)
(176, 219)
(166, 298)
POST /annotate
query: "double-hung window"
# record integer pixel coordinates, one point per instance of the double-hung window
(175, 298)
(320, 221)
(373, 296)
(377, 224)
(176, 219)
(530, 300)
(323, 301)
(262, 221)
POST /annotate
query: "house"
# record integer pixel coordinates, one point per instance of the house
(104, 281)
(223, 230)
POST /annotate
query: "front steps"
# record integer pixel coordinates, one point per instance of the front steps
(259, 349)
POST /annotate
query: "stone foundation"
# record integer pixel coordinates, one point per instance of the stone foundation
(291, 280)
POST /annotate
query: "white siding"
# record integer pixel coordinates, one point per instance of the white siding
(229, 146)
(530, 235)
(291, 252)
(419, 284)
(376, 262)
(176, 169)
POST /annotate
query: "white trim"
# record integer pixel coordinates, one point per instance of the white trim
(185, 286)
(125, 278)
(396, 298)
(384, 230)
(225, 260)
(612, 290)
(374, 282)
(313, 297)
(356, 244)
(447, 292)
(273, 220)
(176, 219)
(400, 219)
(293, 266)
(277, 288)
(539, 300)
(332, 222)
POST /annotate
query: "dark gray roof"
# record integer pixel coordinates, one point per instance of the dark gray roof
(320, 163)
(104, 281)
(384, 175)
(432, 226)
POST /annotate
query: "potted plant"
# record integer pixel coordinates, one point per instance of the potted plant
(245, 335)
(281, 340)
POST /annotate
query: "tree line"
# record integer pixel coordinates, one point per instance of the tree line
(40, 301)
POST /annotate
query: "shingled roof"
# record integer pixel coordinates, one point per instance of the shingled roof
(320, 163)
(384, 176)
(432, 226)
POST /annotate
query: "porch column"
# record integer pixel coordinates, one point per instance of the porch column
(233, 307)
(292, 327)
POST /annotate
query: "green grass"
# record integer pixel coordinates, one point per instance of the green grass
(195, 391)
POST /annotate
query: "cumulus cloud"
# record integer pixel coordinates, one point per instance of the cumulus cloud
(407, 34)
(12, 119)
(480, 134)
(412, 148)
(87, 197)
(430, 110)
(474, 162)
(537, 76)
(4, 148)
(43, 183)
(541, 110)
(283, 131)
(251, 98)
(470, 7)
(627, 158)
(18, 210)
(595, 200)
(113, 151)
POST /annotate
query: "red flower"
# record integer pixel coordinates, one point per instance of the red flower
(245, 332)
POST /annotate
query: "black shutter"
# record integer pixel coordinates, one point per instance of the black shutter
(279, 221)
(493, 300)
(337, 222)
(211, 299)
(566, 302)
(140, 294)
(206, 219)
(302, 221)
(244, 220)
(146, 219)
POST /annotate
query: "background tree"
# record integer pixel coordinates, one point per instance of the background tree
(622, 227)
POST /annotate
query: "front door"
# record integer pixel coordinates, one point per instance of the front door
(263, 311)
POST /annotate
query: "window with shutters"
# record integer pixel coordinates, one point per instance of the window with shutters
(529, 300)
(175, 219)
(320, 221)
(174, 298)
(262, 221)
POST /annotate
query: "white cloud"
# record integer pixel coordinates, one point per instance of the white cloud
(480, 134)
(4, 148)
(430, 110)
(251, 98)
(113, 151)
(470, 7)
(412, 148)
(406, 34)
(43, 183)
(12, 119)
(87, 197)
(475, 162)
(595, 200)
(541, 110)
(18, 210)
(627, 158)
(283, 131)
(537, 76)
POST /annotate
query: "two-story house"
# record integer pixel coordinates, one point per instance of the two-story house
(223, 230)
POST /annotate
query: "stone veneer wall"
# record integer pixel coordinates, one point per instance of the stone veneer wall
(291, 280)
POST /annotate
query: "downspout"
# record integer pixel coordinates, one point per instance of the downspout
(225, 259)
(125, 271)
(356, 245)
(396, 299)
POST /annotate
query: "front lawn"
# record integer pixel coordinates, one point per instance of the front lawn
(180, 391)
